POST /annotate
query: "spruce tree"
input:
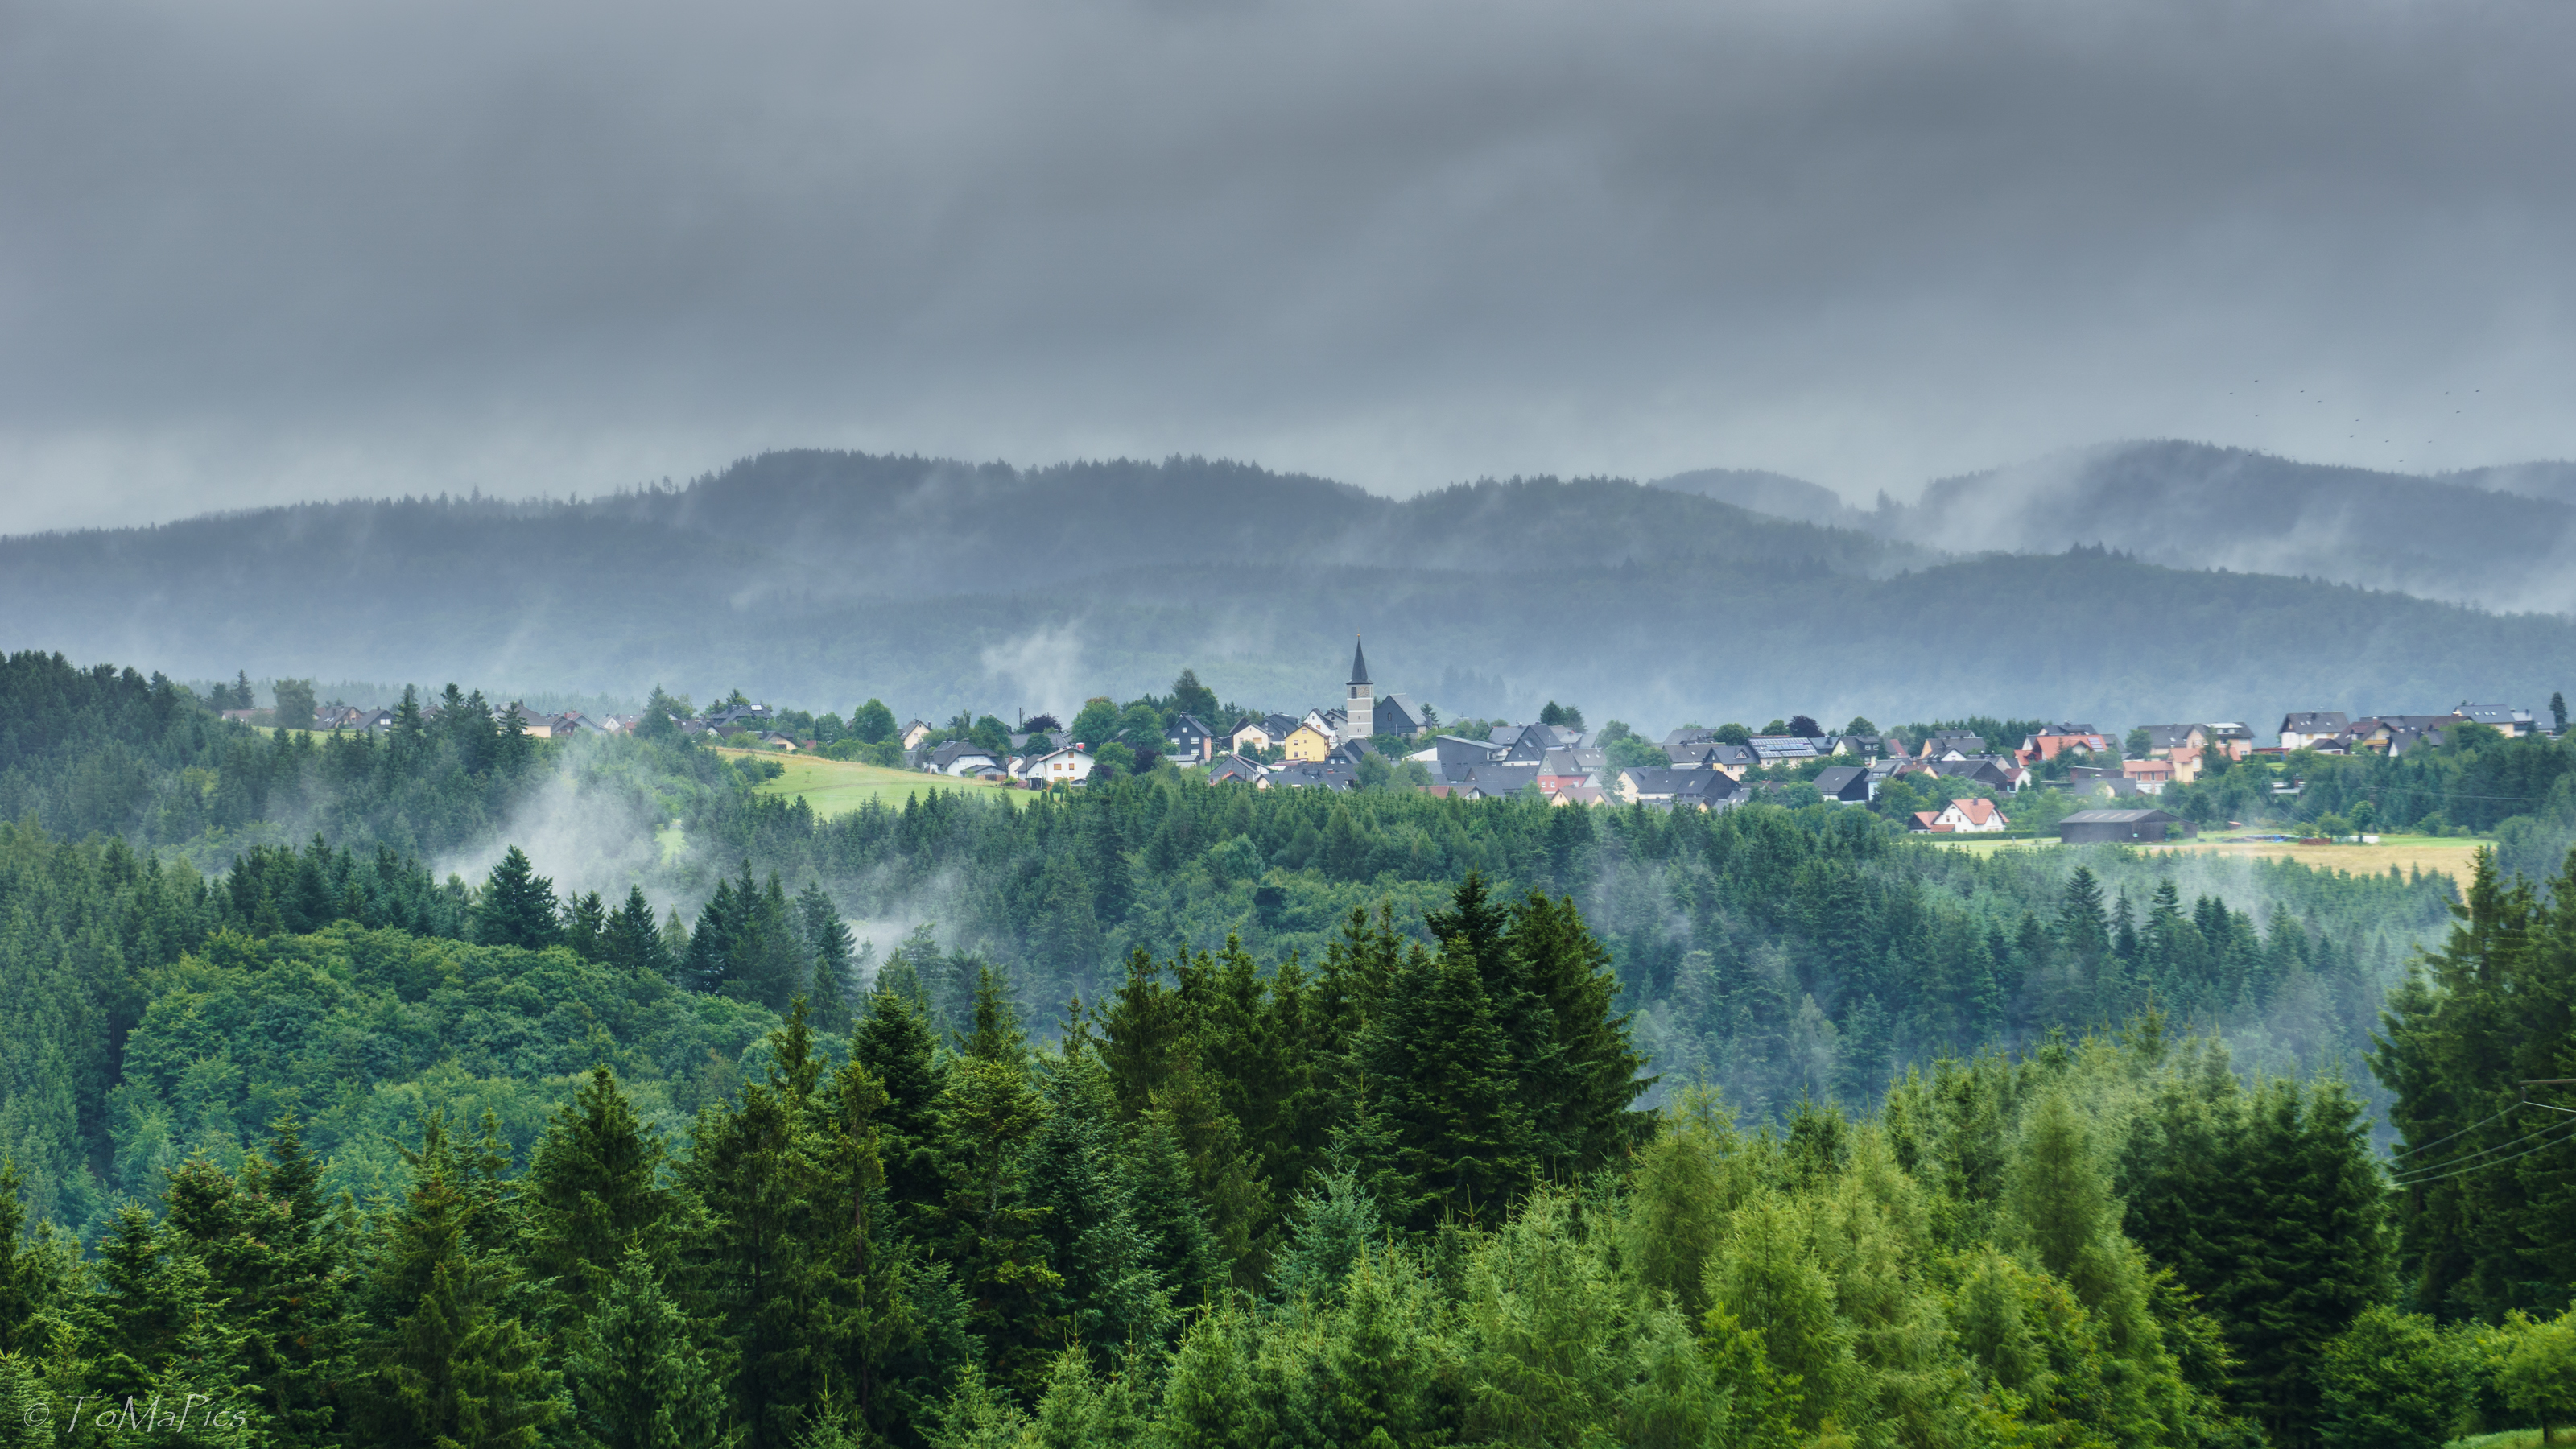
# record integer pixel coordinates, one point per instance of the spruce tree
(585, 927)
(765, 962)
(1578, 1069)
(592, 1195)
(894, 1043)
(1439, 1069)
(828, 945)
(1110, 1295)
(708, 966)
(453, 1361)
(629, 941)
(517, 907)
(637, 1375)
(986, 1225)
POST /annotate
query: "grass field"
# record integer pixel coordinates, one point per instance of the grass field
(2445, 855)
(837, 787)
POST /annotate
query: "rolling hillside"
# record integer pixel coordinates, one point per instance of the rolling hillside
(822, 579)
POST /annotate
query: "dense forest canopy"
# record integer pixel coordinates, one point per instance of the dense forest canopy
(809, 574)
(1161, 1112)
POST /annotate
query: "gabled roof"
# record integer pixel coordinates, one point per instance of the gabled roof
(1647, 780)
(2315, 722)
(1976, 811)
(2117, 817)
(1188, 724)
(1834, 782)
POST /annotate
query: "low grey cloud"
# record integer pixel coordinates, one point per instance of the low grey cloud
(284, 248)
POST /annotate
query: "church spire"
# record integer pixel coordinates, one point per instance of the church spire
(1359, 662)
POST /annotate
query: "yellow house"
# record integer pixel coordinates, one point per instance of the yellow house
(1307, 743)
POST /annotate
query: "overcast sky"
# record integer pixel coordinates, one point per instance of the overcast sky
(263, 249)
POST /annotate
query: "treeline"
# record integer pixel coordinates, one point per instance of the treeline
(2478, 780)
(1402, 1197)
(1782, 952)
(108, 750)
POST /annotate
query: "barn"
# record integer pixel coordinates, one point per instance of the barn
(2096, 827)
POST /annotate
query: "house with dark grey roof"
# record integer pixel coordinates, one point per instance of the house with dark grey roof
(1189, 738)
(1785, 749)
(1845, 784)
(1503, 779)
(1397, 714)
(1451, 756)
(2120, 827)
(2515, 723)
(962, 758)
(2305, 730)
(1309, 775)
(1234, 767)
(1710, 790)
(1646, 785)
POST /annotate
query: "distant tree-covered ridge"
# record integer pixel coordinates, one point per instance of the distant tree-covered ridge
(806, 574)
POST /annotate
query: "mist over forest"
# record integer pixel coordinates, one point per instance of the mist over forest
(2232, 586)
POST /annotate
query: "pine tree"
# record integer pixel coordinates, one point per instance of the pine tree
(28, 1278)
(453, 1361)
(591, 1195)
(1331, 1230)
(766, 961)
(1440, 1070)
(828, 944)
(894, 1043)
(709, 963)
(1077, 1173)
(1104, 860)
(986, 1224)
(638, 1377)
(517, 907)
(585, 925)
(1579, 1072)
(629, 940)
(754, 1171)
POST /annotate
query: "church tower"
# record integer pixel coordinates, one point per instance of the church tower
(1360, 711)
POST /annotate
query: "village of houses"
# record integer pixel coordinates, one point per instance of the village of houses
(1328, 749)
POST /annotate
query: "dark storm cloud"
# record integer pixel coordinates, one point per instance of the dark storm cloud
(293, 248)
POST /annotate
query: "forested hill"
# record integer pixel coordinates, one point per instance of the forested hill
(1357, 1136)
(2503, 538)
(822, 579)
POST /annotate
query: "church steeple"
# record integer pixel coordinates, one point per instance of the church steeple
(1359, 712)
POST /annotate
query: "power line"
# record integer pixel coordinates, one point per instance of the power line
(2463, 1132)
(2481, 1152)
(2564, 1135)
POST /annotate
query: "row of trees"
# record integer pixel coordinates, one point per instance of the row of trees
(1406, 1194)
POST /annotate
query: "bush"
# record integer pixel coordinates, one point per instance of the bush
(2391, 1381)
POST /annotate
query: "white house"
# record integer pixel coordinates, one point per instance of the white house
(1970, 817)
(1067, 766)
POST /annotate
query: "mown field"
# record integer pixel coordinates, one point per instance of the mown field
(2450, 855)
(837, 787)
